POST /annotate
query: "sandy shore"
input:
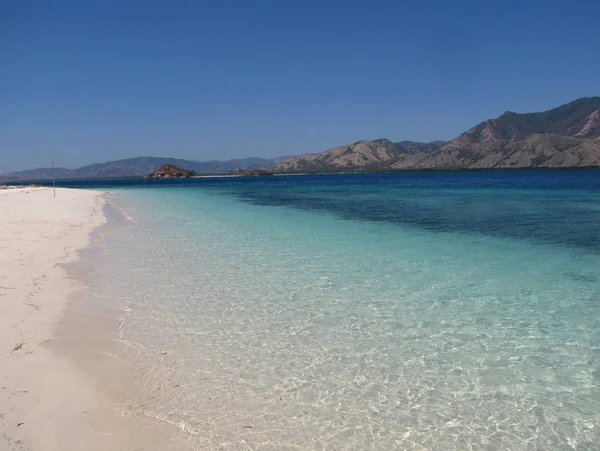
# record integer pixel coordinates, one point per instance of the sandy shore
(46, 400)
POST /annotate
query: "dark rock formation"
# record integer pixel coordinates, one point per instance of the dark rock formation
(169, 171)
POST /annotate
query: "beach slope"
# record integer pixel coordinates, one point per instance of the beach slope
(46, 401)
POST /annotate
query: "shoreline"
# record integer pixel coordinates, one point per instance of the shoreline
(10, 184)
(47, 399)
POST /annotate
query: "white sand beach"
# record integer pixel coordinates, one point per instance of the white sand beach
(46, 401)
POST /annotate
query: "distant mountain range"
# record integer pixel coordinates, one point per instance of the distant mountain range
(563, 137)
(567, 136)
(139, 167)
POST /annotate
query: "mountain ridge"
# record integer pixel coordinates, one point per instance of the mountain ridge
(579, 119)
(565, 136)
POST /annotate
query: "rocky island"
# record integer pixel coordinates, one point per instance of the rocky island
(170, 171)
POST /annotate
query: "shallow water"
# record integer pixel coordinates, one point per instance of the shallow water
(441, 311)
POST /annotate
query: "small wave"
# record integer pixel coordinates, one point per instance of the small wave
(181, 425)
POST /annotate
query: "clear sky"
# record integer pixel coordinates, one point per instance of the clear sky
(92, 80)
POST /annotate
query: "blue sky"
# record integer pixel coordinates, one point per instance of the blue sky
(90, 81)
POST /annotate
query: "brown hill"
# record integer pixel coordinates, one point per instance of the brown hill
(358, 154)
(361, 155)
(563, 137)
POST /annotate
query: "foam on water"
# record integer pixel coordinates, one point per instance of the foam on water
(338, 316)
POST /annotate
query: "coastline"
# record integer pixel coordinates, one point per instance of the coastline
(47, 399)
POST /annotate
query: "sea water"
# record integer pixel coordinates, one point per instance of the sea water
(434, 311)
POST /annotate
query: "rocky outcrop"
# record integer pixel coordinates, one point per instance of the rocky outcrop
(169, 171)
(591, 127)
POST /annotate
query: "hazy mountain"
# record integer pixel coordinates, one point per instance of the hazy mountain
(139, 166)
(567, 136)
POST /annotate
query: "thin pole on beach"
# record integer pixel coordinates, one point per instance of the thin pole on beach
(53, 179)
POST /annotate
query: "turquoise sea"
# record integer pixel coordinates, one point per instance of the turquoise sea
(426, 311)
